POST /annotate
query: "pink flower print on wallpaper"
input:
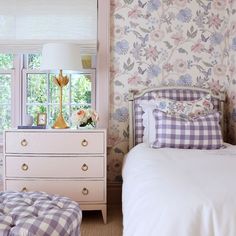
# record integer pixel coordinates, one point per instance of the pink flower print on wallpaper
(151, 53)
(220, 70)
(214, 21)
(135, 13)
(180, 3)
(135, 79)
(168, 67)
(180, 66)
(157, 35)
(198, 47)
(219, 4)
(178, 38)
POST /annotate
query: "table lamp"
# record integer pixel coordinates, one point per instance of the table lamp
(58, 57)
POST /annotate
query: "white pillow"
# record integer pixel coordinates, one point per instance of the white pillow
(149, 135)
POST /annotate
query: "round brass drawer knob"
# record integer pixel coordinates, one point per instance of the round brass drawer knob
(24, 167)
(84, 143)
(84, 167)
(85, 191)
(24, 189)
(24, 142)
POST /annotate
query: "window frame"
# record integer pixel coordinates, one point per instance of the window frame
(91, 72)
(15, 72)
(18, 87)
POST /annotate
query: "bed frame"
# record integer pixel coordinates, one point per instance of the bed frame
(135, 94)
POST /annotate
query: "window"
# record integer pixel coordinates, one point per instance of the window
(6, 79)
(39, 93)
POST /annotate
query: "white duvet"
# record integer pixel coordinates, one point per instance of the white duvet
(175, 192)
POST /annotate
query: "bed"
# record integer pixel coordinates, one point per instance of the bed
(176, 191)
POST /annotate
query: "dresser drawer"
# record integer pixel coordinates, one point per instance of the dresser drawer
(81, 191)
(55, 167)
(55, 142)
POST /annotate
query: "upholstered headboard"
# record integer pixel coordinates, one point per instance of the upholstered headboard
(177, 93)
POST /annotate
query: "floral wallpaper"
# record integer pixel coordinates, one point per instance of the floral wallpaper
(231, 89)
(168, 42)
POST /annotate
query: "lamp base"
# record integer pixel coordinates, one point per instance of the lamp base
(60, 123)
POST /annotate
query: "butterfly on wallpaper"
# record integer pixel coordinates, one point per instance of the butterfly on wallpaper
(203, 5)
(143, 39)
(140, 71)
(200, 82)
(204, 39)
(206, 73)
(141, 4)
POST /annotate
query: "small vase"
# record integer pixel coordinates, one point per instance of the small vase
(28, 120)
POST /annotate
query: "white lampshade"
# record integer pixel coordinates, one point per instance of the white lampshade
(61, 56)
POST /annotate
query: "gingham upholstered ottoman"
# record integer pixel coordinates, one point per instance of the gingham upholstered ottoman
(38, 214)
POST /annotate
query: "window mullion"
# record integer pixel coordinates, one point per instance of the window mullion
(24, 91)
(70, 109)
(48, 97)
(16, 90)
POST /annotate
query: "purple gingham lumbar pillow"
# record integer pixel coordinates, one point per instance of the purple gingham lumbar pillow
(174, 132)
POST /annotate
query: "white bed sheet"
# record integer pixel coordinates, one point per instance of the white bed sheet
(175, 192)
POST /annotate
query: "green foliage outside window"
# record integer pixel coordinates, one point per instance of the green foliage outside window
(42, 94)
(81, 89)
(5, 101)
(78, 91)
(6, 61)
(34, 61)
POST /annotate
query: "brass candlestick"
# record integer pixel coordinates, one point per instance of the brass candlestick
(61, 81)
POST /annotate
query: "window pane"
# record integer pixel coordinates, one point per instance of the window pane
(81, 88)
(5, 102)
(5, 117)
(5, 89)
(33, 110)
(54, 93)
(54, 111)
(44, 96)
(36, 88)
(34, 61)
(6, 61)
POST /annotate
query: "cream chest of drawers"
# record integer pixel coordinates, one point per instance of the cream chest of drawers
(71, 163)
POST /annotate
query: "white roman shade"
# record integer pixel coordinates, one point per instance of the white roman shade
(31, 23)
